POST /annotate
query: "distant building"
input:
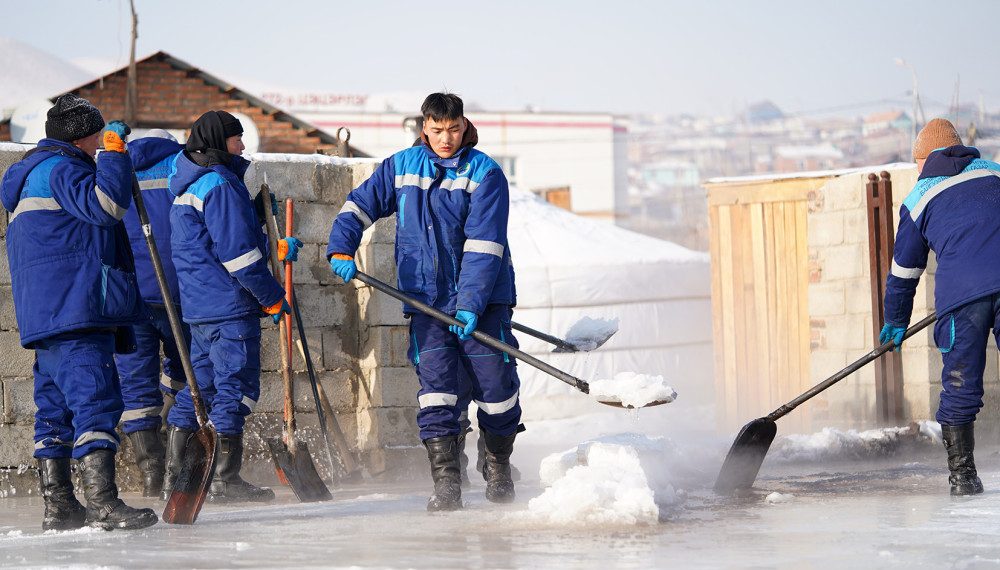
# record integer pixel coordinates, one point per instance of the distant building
(879, 123)
(806, 157)
(575, 160)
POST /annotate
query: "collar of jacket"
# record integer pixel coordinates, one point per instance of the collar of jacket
(948, 161)
(62, 147)
(469, 140)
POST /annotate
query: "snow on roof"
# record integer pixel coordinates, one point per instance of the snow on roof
(807, 174)
(15, 147)
(28, 73)
(313, 158)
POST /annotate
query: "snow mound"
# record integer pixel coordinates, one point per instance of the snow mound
(831, 443)
(617, 480)
(776, 497)
(587, 333)
(632, 390)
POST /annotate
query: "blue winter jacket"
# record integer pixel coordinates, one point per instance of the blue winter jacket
(70, 262)
(219, 248)
(152, 158)
(451, 226)
(954, 210)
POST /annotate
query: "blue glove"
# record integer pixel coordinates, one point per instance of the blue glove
(470, 319)
(345, 268)
(892, 332)
(285, 309)
(288, 248)
(120, 128)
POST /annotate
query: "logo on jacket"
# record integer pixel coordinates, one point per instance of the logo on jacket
(464, 169)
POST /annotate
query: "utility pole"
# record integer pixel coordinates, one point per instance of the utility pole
(131, 87)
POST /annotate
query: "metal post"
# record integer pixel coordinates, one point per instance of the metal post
(881, 238)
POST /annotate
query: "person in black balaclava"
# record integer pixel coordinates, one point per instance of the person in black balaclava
(221, 258)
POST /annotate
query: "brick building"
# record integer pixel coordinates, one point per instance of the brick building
(172, 94)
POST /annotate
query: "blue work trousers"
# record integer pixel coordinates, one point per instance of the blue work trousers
(961, 336)
(142, 383)
(77, 394)
(450, 370)
(226, 360)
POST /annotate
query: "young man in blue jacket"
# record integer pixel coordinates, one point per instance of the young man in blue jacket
(143, 387)
(75, 298)
(451, 206)
(953, 210)
(220, 251)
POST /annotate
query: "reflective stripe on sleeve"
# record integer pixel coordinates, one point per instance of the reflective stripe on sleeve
(237, 263)
(108, 205)
(153, 184)
(483, 246)
(906, 272)
(350, 207)
(188, 199)
(33, 205)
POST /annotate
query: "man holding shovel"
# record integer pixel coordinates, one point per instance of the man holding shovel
(954, 210)
(75, 299)
(220, 252)
(451, 206)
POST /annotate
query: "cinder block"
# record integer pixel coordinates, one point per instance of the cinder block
(379, 309)
(339, 387)
(335, 182)
(845, 332)
(858, 296)
(384, 346)
(378, 260)
(856, 226)
(17, 445)
(381, 427)
(826, 229)
(388, 387)
(18, 401)
(8, 320)
(296, 180)
(322, 306)
(14, 360)
(313, 221)
(826, 299)
(842, 261)
(843, 197)
(382, 231)
(307, 269)
(339, 348)
(4, 268)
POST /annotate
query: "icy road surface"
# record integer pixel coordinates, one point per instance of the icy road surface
(844, 507)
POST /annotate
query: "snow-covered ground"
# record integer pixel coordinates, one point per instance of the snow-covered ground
(835, 499)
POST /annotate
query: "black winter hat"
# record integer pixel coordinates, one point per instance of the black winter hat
(72, 118)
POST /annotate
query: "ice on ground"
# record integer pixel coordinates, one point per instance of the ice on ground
(831, 443)
(588, 333)
(633, 390)
(776, 497)
(616, 480)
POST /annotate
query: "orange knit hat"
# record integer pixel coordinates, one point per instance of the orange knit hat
(938, 133)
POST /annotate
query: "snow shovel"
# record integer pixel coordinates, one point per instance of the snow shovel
(564, 345)
(745, 457)
(292, 461)
(198, 463)
(491, 342)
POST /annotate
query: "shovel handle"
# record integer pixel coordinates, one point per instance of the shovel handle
(478, 335)
(168, 304)
(554, 340)
(851, 369)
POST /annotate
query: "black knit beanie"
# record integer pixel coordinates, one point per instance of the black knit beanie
(72, 118)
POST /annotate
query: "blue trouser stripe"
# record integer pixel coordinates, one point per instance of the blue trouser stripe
(77, 394)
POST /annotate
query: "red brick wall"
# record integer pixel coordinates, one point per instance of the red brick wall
(5, 131)
(172, 96)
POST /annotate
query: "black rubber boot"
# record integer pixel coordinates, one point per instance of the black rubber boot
(104, 509)
(443, 455)
(227, 485)
(149, 456)
(515, 475)
(496, 470)
(960, 441)
(176, 440)
(62, 510)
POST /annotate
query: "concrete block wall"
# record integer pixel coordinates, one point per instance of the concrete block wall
(357, 337)
(840, 310)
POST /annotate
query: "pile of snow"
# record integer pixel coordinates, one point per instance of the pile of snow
(616, 480)
(832, 443)
(587, 333)
(776, 497)
(633, 390)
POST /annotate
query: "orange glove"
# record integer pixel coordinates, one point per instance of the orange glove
(114, 136)
(276, 310)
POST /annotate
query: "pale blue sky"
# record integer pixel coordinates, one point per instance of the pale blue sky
(624, 56)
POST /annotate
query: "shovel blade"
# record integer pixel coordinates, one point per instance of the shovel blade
(191, 486)
(295, 467)
(745, 457)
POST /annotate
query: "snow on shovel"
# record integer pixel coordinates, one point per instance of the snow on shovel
(609, 399)
(198, 462)
(586, 335)
(292, 461)
(745, 457)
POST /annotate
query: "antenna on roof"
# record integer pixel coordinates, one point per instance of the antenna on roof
(131, 89)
